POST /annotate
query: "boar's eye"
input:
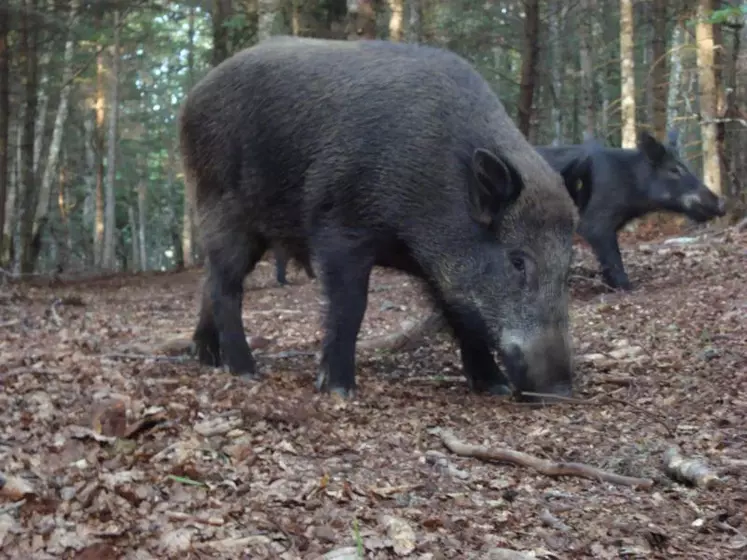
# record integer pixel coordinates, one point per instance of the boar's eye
(675, 171)
(518, 262)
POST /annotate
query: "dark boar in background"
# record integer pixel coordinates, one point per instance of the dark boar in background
(369, 153)
(618, 185)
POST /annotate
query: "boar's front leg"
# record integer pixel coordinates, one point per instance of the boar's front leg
(480, 369)
(345, 262)
(281, 264)
(605, 247)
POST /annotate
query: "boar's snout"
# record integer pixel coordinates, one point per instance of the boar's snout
(539, 364)
(704, 205)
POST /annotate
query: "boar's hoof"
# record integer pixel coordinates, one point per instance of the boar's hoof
(207, 354)
(324, 385)
(499, 389)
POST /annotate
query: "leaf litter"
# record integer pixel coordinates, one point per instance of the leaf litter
(114, 443)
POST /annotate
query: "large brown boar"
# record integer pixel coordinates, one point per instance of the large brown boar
(373, 153)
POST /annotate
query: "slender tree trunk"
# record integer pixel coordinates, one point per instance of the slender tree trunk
(42, 92)
(141, 198)
(100, 108)
(556, 60)
(266, 18)
(396, 20)
(675, 77)
(221, 12)
(4, 129)
(588, 12)
(29, 70)
(414, 31)
(529, 65)
(627, 73)
(660, 69)
(50, 169)
(188, 228)
(361, 19)
(133, 239)
(708, 97)
(108, 258)
(64, 241)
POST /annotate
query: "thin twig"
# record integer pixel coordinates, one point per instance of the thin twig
(543, 466)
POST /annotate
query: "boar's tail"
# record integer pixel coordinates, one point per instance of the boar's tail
(577, 178)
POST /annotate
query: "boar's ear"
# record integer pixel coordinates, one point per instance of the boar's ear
(577, 178)
(650, 147)
(498, 185)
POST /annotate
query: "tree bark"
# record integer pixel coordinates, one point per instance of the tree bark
(100, 109)
(188, 227)
(556, 61)
(50, 169)
(221, 12)
(142, 192)
(529, 65)
(587, 66)
(414, 31)
(660, 68)
(675, 76)
(708, 87)
(108, 257)
(29, 79)
(396, 20)
(267, 11)
(64, 241)
(4, 128)
(627, 74)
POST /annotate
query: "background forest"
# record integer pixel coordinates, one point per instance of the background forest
(90, 90)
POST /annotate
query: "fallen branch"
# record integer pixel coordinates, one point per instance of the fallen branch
(127, 356)
(204, 520)
(690, 471)
(10, 323)
(543, 466)
(409, 337)
(553, 522)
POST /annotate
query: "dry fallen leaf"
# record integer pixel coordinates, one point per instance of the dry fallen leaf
(401, 534)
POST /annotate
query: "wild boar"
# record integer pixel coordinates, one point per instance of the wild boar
(370, 153)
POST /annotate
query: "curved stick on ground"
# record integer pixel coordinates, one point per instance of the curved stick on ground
(407, 338)
(543, 466)
(690, 471)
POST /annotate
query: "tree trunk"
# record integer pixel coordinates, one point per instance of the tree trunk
(133, 239)
(675, 76)
(108, 257)
(50, 169)
(4, 129)
(529, 65)
(396, 20)
(29, 79)
(627, 74)
(659, 71)
(142, 192)
(361, 19)
(267, 11)
(414, 31)
(64, 242)
(42, 93)
(100, 108)
(188, 227)
(588, 12)
(556, 61)
(221, 12)
(708, 87)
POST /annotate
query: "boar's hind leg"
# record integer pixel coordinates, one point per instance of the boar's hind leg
(281, 264)
(480, 369)
(229, 265)
(345, 264)
(205, 337)
(605, 246)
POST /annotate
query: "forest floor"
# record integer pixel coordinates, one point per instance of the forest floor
(153, 456)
